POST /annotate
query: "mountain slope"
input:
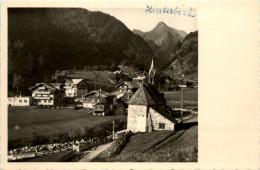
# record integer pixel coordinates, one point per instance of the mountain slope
(43, 40)
(184, 59)
(164, 37)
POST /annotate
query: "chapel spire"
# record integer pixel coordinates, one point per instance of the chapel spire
(151, 74)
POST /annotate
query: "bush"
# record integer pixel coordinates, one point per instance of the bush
(38, 140)
(120, 109)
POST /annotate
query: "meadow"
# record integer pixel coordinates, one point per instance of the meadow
(26, 122)
(190, 98)
(159, 146)
(100, 79)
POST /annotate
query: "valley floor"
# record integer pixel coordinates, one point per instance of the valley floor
(23, 122)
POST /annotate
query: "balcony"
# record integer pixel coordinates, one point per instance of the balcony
(38, 92)
(42, 97)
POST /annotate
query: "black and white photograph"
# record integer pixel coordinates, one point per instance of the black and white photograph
(102, 84)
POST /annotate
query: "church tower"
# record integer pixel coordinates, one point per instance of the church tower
(151, 74)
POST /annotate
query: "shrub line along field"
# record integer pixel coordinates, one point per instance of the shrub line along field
(23, 122)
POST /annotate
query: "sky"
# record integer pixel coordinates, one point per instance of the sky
(136, 18)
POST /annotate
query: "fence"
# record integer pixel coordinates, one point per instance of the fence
(186, 101)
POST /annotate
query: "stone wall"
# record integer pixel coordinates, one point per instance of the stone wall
(136, 120)
(158, 118)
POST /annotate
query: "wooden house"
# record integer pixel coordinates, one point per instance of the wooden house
(140, 78)
(147, 111)
(48, 94)
(98, 96)
(127, 89)
(101, 109)
(75, 87)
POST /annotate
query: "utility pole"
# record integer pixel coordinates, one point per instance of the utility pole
(113, 131)
(181, 103)
(95, 80)
(182, 86)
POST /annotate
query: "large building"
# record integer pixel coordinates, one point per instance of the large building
(75, 87)
(20, 101)
(127, 89)
(147, 111)
(47, 94)
(94, 97)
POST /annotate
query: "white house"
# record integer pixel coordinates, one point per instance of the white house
(98, 96)
(48, 94)
(75, 87)
(147, 111)
(127, 88)
(20, 101)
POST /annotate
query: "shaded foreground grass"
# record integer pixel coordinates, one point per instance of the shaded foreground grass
(160, 146)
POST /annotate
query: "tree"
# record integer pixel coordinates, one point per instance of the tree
(120, 110)
(41, 60)
(56, 76)
(161, 80)
(124, 62)
(113, 66)
(17, 82)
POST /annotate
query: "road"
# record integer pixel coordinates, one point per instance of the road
(94, 153)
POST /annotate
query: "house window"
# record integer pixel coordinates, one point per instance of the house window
(49, 101)
(161, 125)
(25, 100)
(45, 101)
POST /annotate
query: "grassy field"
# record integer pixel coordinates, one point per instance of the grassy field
(189, 95)
(24, 121)
(161, 146)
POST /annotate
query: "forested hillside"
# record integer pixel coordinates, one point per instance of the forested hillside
(184, 59)
(43, 40)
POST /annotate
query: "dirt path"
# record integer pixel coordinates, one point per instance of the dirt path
(94, 153)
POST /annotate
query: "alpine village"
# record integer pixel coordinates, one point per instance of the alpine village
(82, 87)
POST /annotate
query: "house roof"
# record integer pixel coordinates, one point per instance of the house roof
(101, 92)
(129, 83)
(164, 114)
(74, 81)
(123, 98)
(48, 85)
(147, 94)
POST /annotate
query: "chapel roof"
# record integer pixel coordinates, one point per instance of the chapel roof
(147, 94)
